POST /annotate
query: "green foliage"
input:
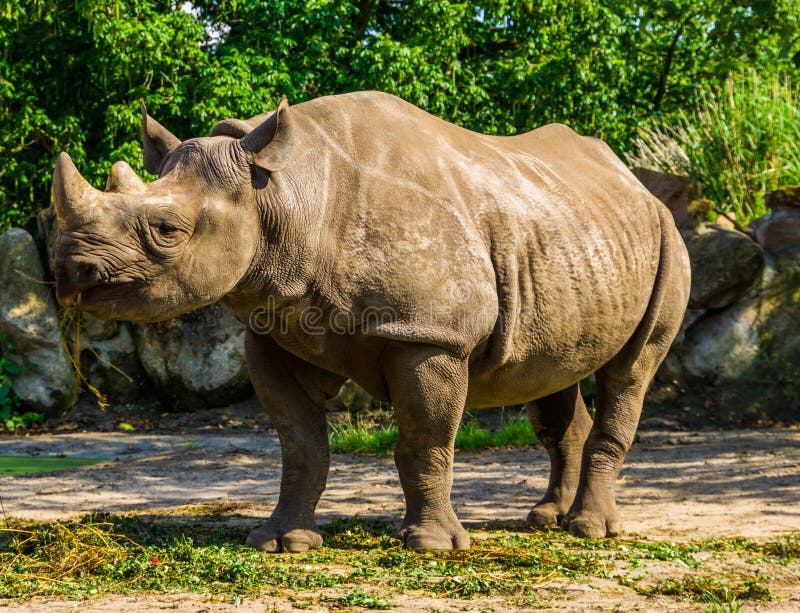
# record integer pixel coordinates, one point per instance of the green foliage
(72, 72)
(739, 141)
(10, 418)
(358, 438)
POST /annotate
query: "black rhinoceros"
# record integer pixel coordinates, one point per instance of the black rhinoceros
(360, 237)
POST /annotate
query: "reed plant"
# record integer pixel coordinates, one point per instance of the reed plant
(738, 141)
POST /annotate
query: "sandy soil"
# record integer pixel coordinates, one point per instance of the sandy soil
(676, 486)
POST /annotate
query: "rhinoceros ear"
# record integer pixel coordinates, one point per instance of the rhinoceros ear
(157, 141)
(269, 145)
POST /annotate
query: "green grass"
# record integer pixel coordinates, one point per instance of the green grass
(358, 438)
(738, 142)
(361, 563)
(23, 465)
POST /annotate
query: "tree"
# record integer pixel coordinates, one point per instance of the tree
(72, 72)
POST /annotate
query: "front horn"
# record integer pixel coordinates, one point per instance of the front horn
(72, 195)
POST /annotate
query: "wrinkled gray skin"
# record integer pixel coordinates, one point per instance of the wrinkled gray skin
(436, 267)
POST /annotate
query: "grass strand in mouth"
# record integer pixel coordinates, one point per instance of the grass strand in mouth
(72, 320)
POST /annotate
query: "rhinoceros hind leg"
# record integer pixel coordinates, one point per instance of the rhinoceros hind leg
(621, 387)
(428, 389)
(293, 393)
(561, 424)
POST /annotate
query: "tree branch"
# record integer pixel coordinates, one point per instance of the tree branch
(673, 47)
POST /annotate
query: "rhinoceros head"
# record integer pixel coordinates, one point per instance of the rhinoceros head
(150, 251)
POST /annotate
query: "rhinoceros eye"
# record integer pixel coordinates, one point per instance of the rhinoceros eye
(166, 229)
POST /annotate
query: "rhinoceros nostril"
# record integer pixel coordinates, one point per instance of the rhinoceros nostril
(84, 273)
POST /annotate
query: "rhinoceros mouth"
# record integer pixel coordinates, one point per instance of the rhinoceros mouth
(105, 294)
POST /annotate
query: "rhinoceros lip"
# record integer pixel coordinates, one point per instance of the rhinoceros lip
(106, 292)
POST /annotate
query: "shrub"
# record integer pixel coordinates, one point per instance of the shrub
(10, 418)
(738, 142)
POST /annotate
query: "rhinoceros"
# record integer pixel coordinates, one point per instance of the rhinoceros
(359, 237)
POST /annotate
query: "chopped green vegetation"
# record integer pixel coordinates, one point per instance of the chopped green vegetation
(24, 465)
(362, 564)
(786, 548)
(358, 438)
(711, 589)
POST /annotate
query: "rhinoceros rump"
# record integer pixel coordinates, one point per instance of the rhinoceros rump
(359, 237)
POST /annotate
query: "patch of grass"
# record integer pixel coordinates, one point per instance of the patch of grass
(24, 465)
(362, 564)
(516, 433)
(358, 438)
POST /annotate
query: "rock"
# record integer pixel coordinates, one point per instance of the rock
(787, 197)
(98, 329)
(723, 345)
(110, 364)
(741, 361)
(779, 232)
(724, 223)
(46, 222)
(726, 265)
(29, 320)
(753, 341)
(196, 360)
(678, 193)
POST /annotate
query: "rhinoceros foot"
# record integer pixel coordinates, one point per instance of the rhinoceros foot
(592, 524)
(437, 536)
(273, 538)
(545, 516)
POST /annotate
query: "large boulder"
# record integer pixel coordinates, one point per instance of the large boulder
(29, 321)
(739, 364)
(109, 360)
(46, 222)
(779, 231)
(726, 265)
(196, 360)
(680, 194)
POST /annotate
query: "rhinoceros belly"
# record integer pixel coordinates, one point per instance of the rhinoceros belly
(573, 285)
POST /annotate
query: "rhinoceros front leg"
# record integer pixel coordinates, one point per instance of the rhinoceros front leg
(428, 389)
(293, 393)
(561, 424)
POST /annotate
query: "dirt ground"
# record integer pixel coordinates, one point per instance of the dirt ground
(674, 486)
